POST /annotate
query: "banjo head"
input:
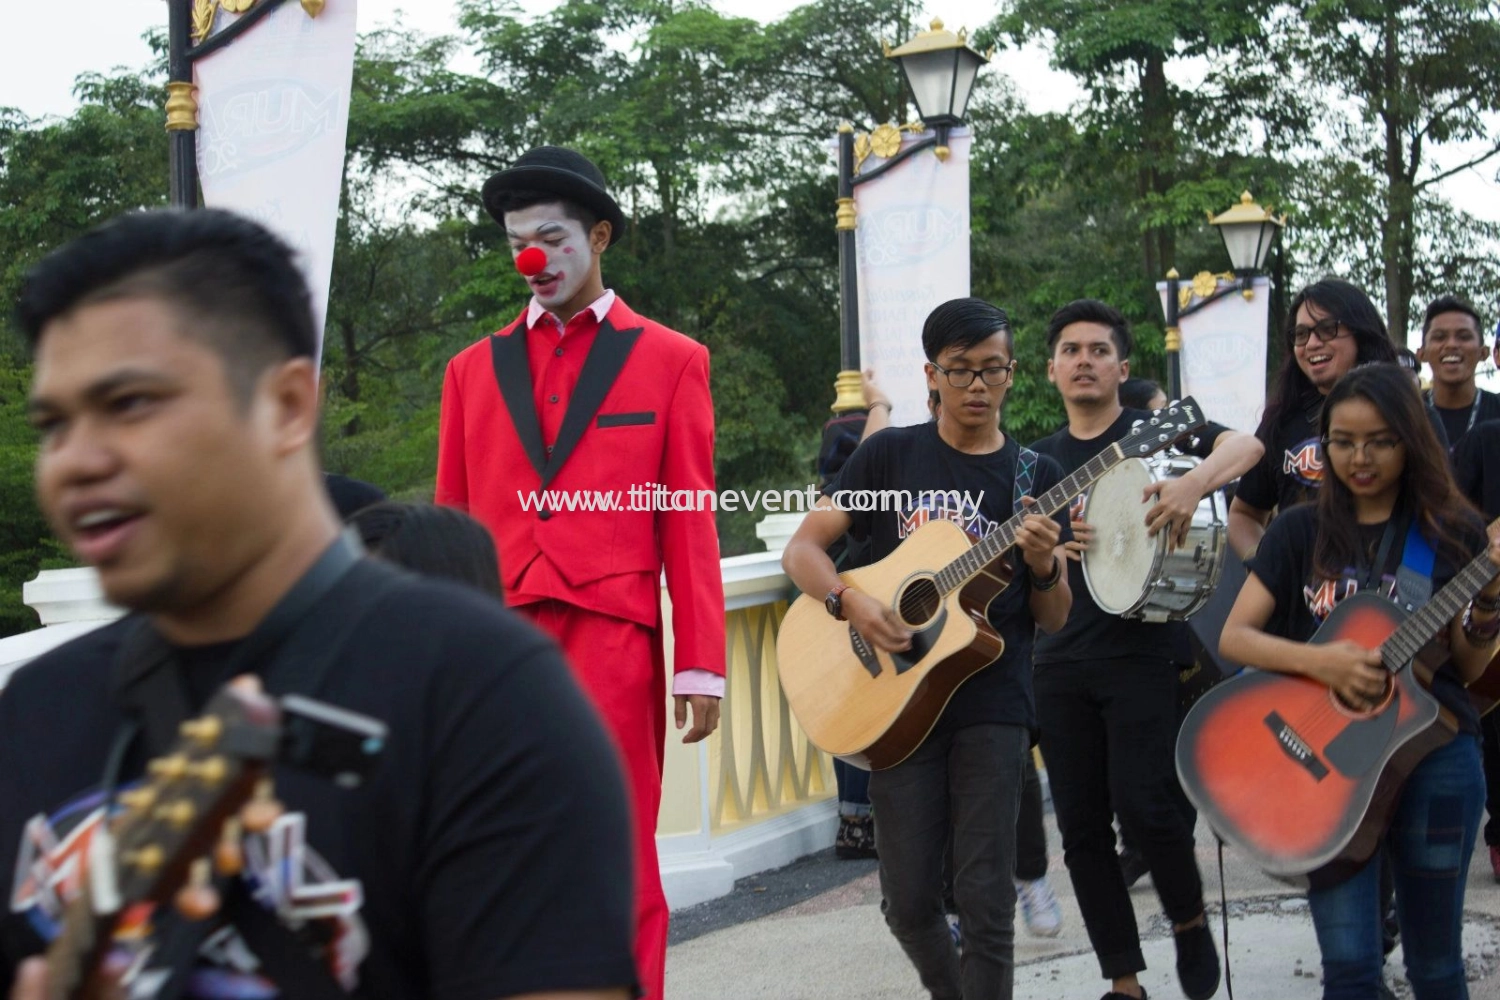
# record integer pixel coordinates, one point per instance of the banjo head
(1121, 560)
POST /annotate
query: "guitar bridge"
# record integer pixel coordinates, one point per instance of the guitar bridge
(864, 652)
(1295, 747)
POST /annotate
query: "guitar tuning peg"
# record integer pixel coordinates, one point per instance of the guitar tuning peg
(138, 799)
(198, 899)
(171, 768)
(211, 771)
(262, 810)
(146, 859)
(179, 814)
(205, 732)
(229, 854)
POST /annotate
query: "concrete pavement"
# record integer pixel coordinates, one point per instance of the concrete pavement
(813, 931)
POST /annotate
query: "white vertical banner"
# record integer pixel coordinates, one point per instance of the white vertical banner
(912, 240)
(1224, 354)
(272, 124)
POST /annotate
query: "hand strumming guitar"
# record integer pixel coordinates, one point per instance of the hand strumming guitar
(880, 625)
(1352, 671)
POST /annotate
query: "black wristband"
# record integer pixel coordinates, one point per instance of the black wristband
(1051, 582)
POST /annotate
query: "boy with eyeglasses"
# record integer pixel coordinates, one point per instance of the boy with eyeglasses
(965, 779)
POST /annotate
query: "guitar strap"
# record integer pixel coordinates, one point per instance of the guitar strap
(1025, 476)
(149, 685)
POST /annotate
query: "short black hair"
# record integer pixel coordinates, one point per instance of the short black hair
(962, 323)
(514, 201)
(1091, 311)
(237, 281)
(431, 540)
(1137, 393)
(1450, 304)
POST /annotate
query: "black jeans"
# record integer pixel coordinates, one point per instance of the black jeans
(1489, 731)
(1031, 835)
(1109, 734)
(967, 783)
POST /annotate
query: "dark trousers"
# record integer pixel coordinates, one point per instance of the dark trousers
(1031, 835)
(1489, 730)
(854, 788)
(967, 785)
(1109, 733)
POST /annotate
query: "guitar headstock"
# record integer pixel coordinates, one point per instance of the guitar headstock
(1165, 426)
(175, 816)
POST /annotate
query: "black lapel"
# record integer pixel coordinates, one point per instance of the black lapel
(513, 375)
(606, 358)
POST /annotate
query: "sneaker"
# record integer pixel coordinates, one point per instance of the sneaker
(1132, 866)
(1495, 861)
(953, 929)
(1039, 907)
(1197, 962)
(856, 837)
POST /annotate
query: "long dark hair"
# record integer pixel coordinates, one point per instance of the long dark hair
(432, 541)
(1428, 491)
(1346, 303)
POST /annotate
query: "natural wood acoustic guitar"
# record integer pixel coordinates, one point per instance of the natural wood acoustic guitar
(873, 708)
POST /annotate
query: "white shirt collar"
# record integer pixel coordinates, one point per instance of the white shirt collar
(600, 307)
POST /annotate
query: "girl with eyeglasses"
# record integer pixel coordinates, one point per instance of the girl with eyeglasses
(1388, 473)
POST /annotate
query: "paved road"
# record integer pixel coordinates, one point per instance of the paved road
(814, 930)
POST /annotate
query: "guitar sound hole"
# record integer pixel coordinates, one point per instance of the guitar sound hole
(920, 602)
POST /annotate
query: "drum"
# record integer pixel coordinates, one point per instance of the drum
(1131, 574)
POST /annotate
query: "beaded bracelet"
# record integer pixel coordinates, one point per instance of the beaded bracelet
(1480, 634)
(1052, 581)
(1484, 603)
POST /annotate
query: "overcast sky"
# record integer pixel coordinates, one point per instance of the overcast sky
(45, 46)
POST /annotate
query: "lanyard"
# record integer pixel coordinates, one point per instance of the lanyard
(1371, 581)
(1473, 411)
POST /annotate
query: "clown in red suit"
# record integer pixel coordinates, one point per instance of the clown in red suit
(583, 396)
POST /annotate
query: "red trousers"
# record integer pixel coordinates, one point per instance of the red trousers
(619, 663)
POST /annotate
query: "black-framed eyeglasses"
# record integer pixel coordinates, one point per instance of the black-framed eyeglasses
(1328, 330)
(962, 378)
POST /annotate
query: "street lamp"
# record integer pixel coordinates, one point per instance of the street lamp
(1248, 230)
(940, 70)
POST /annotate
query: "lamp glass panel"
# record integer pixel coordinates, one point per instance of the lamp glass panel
(1243, 241)
(968, 72)
(931, 77)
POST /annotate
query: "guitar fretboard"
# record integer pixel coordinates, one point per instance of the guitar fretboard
(967, 566)
(1418, 630)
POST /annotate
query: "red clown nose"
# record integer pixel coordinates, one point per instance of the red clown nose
(531, 261)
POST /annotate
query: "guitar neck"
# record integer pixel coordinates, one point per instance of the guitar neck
(1425, 623)
(969, 565)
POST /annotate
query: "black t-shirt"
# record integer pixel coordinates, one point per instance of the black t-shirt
(1291, 470)
(1459, 422)
(1284, 564)
(1092, 633)
(1476, 465)
(919, 462)
(487, 855)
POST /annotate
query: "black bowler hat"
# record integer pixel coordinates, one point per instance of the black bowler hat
(566, 173)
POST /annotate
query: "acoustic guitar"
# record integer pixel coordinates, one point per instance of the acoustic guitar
(873, 708)
(1300, 781)
(176, 840)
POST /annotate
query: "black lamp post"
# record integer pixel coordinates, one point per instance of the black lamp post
(940, 69)
(1248, 230)
(190, 36)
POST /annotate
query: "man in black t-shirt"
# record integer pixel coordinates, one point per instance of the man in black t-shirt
(1454, 346)
(965, 779)
(485, 856)
(1106, 687)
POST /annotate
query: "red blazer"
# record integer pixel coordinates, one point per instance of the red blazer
(640, 414)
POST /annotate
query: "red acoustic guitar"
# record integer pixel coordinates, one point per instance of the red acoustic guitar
(1290, 774)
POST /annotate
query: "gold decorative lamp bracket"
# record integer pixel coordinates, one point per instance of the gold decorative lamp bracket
(848, 392)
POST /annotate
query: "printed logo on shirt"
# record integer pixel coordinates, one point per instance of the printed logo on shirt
(1304, 462)
(1322, 599)
(944, 505)
(282, 872)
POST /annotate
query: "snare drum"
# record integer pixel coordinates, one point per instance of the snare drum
(1131, 574)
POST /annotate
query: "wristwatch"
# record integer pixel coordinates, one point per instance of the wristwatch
(834, 602)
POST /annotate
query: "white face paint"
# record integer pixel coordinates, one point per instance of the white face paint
(566, 244)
